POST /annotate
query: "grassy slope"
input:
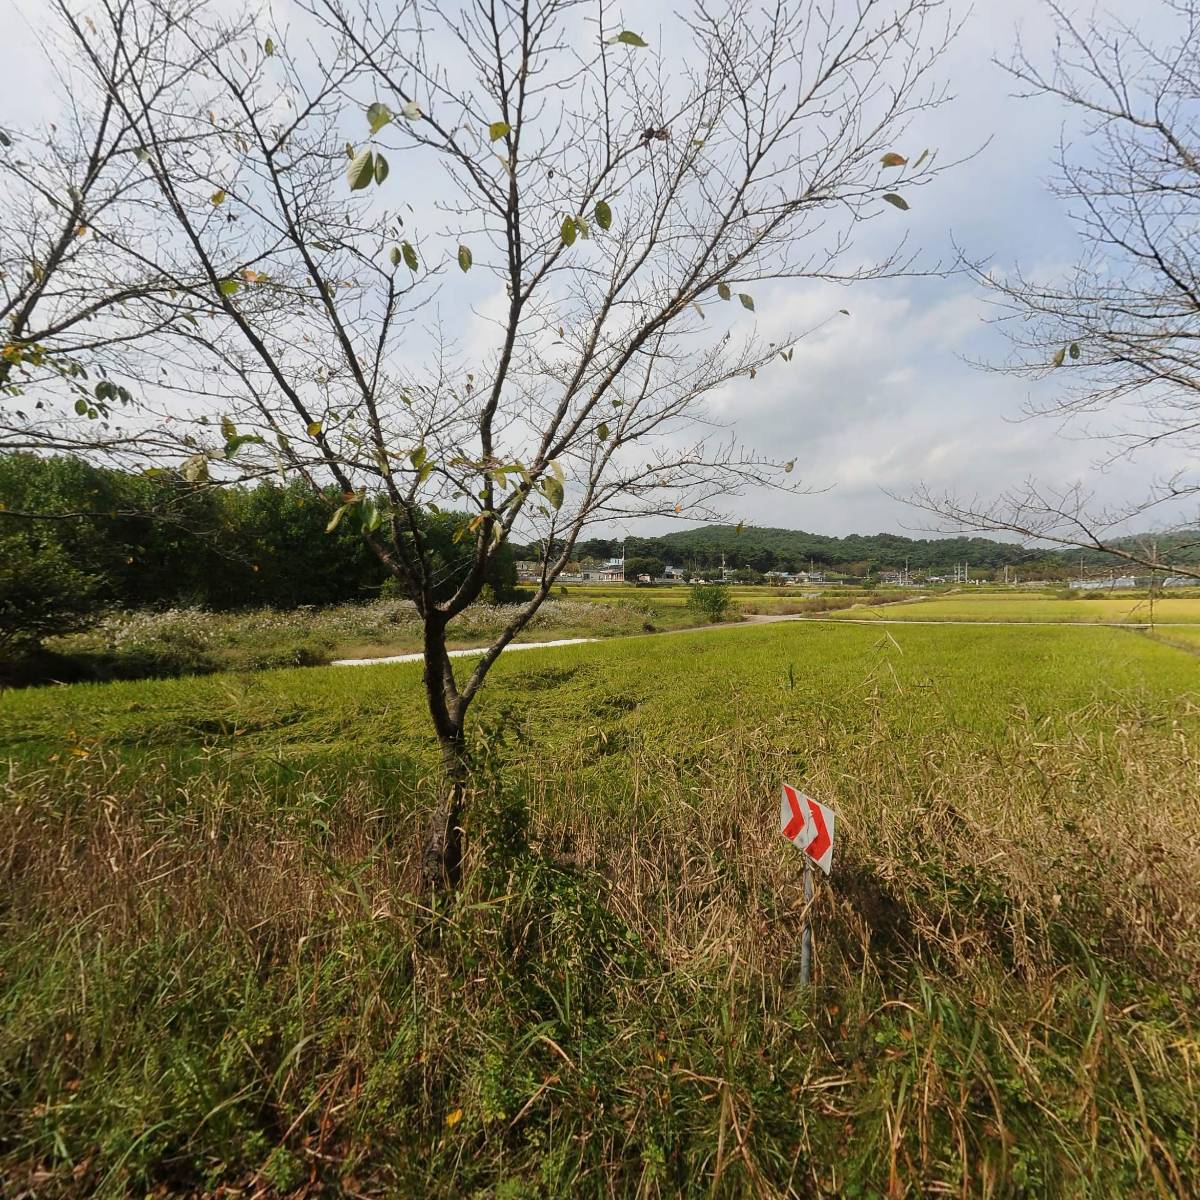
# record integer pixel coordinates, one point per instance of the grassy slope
(210, 970)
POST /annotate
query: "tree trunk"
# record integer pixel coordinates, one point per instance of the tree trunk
(442, 843)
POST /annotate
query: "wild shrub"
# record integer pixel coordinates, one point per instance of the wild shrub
(709, 600)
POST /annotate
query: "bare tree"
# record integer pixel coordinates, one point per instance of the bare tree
(1120, 335)
(75, 287)
(605, 202)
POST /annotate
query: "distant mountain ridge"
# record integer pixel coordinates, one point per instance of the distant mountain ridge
(763, 548)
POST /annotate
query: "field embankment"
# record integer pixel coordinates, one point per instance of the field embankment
(212, 971)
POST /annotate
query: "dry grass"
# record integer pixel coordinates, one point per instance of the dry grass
(213, 975)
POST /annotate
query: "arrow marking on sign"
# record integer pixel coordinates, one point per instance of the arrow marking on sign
(808, 825)
(820, 844)
(796, 824)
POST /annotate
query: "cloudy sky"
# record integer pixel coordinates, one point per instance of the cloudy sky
(886, 397)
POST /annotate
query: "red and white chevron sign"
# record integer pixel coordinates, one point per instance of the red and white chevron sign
(808, 825)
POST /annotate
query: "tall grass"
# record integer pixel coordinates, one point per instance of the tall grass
(215, 972)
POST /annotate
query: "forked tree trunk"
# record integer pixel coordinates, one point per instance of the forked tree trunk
(442, 839)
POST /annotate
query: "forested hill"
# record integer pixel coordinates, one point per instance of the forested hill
(793, 550)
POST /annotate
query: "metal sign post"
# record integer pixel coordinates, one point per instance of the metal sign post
(806, 932)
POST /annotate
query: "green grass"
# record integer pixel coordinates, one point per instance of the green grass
(990, 606)
(133, 645)
(213, 969)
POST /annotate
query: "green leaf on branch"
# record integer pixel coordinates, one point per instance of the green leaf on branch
(218, 198)
(747, 300)
(553, 490)
(1074, 350)
(228, 287)
(228, 429)
(370, 515)
(898, 201)
(378, 115)
(339, 513)
(361, 170)
(569, 231)
(313, 429)
(269, 47)
(497, 130)
(602, 431)
(410, 255)
(234, 444)
(395, 256)
(381, 168)
(723, 291)
(628, 38)
(464, 258)
(603, 214)
(417, 457)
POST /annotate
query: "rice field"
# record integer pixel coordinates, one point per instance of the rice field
(216, 976)
(1119, 608)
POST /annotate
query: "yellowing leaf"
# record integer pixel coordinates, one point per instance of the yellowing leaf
(892, 159)
(269, 47)
(218, 198)
(627, 38)
(497, 130)
(361, 170)
(314, 429)
(453, 1118)
(378, 115)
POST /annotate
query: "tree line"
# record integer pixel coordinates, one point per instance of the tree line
(764, 549)
(105, 537)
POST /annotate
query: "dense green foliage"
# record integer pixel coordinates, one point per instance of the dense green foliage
(41, 591)
(639, 564)
(153, 540)
(213, 970)
(710, 600)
